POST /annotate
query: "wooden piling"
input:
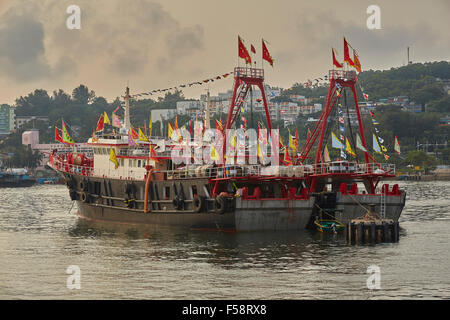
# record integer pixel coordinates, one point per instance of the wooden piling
(372, 231)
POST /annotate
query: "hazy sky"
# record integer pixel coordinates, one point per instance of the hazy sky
(161, 44)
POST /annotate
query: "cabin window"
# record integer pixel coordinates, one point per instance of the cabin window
(167, 192)
(139, 163)
(122, 161)
(134, 163)
(130, 162)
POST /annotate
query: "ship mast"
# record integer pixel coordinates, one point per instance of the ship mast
(127, 122)
(208, 105)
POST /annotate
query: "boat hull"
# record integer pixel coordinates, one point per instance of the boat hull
(355, 206)
(248, 215)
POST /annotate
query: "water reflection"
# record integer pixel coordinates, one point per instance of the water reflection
(39, 239)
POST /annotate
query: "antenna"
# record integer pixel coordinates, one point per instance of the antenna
(409, 61)
(208, 105)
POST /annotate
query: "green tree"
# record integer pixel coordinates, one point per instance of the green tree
(81, 94)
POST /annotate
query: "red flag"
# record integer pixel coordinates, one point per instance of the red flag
(335, 62)
(252, 48)
(265, 54)
(58, 136)
(296, 138)
(134, 134)
(99, 124)
(347, 54)
(190, 127)
(153, 155)
(242, 51)
(356, 61)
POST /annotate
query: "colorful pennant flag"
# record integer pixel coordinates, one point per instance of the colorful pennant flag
(348, 148)
(57, 136)
(335, 62)
(326, 154)
(99, 124)
(376, 146)
(112, 158)
(356, 61)
(142, 136)
(66, 137)
(242, 52)
(335, 143)
(359, 144)
(115, 121)
(397, 146)
(347, 54)
(106, 119)
(265, 53)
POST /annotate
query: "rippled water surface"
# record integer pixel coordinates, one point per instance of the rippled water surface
(39, 239)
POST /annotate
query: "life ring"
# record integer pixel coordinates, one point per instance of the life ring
(83, 185)
(198, 203)
(84, 197)
(219, 205)
(177, 203)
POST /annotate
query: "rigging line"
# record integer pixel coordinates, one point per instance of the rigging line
(349, 125)
(325, 211)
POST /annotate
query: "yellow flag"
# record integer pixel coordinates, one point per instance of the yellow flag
(348, 148)
(214, 154)
(106, 119)
(142, 136)
(170, 130)
(112, 158)
(292, 143)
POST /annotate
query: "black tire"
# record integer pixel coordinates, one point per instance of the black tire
(220, 205)
(73, 195)
(198, 203)
(69, 183)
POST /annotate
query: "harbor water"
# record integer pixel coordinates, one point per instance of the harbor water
(40, 237)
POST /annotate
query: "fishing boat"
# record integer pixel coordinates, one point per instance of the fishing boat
(143, 184)
(15, 178)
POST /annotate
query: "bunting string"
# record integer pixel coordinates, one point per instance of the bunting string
(181, 86)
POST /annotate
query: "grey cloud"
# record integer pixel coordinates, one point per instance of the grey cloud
(22, 53)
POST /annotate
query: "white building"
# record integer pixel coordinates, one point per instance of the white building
(184, 106)
(163, 114)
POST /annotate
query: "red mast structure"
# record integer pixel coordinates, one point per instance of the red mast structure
(244, 78)
(343, 79)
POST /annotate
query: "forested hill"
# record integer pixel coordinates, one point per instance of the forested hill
(82, 108)
(422, 83)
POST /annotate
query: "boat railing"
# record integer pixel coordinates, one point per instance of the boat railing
(353, 167)
(209, 171)
(249, 72)
(69, 168)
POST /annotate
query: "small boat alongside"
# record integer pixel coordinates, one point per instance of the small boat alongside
(329, 226)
